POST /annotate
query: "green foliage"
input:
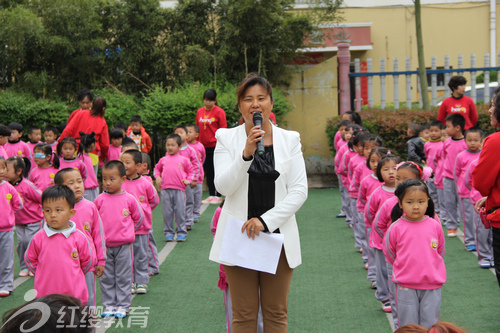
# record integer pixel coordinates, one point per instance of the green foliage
(391, 125)
(493, 77)
(119, 106)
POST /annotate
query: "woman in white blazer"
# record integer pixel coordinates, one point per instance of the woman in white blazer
(265, 191)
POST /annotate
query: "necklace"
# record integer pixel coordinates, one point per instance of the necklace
(205, 117)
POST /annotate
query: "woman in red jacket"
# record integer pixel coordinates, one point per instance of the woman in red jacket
(486, 179)
(88, 121)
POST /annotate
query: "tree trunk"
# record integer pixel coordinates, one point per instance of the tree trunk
(421, 59)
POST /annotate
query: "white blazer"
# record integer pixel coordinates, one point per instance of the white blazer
(231, 180)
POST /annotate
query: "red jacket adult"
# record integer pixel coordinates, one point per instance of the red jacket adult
(209, 122)
(486, 176)
(463, 105)
(146, 143)
(83, 121)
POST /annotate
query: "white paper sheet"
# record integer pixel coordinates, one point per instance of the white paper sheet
(260, 254)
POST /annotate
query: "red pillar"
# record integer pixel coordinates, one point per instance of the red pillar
(344, 58)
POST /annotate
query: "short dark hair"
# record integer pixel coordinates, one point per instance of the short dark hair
(176, 137)
(146, 159)
(408, 185)
(374, 138)
(136, 155)
(51, 128)
(116, 133)
(355, 117)
(85, 93)
(20, 163)
(180, 126)
(455, 81)
(436, 123)
(33, 128)
(129, 144)
(116, 164)
(415, 128)
(56, 192)
(210, 95)
(15, 126)
(122, 125)
(136, 119)
(251, 80)
(59, 177)
(382, 161)
(474, 130)
(345, 122)
(456, 119)
(4, 130)
(196, 127)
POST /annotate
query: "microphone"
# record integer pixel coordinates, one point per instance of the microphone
(257, 121)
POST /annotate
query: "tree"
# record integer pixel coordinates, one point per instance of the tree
(421, 59)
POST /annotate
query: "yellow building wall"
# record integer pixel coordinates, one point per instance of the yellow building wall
(448, 29)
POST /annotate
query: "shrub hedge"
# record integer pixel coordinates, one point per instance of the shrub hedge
(391, 125)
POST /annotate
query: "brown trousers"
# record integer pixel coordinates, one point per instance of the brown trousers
(245, 284)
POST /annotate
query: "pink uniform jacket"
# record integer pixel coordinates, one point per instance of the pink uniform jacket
(146, 195)
(200, 154)
(354, 163)
(190, 153)
(173, 169)
(474, 194)
(366, 188)
(378, 197)
(451, 149)
(32, 203)
(10, 204)
(113, 153)
(91, 181)
(462, 163)
(20, 149)
(43, 177)
(76, 164)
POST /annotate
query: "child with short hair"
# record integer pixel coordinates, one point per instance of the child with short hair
(148, 199)
(121, 215)
(59, 255)
(190, 153)
(173, 173)
(88, 144)
(424, 132)
(16, 147)
(415, 246)
(34, 136)
(338, 139)
(433, 148)
(474, 140)
(415, 144)
(47, 166)
(10, 203)
(4, 138)
(193, 132)
(29, 218)
(116, 138)
(137, 133)
(343, 147)
(69, 152)
(454, 145)
(338, 142)
(50, 134)
(129, 145)
(88, 221)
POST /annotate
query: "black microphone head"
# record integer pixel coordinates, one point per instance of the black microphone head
(257, 119)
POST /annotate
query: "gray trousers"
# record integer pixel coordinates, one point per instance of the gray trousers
(25, 233)
(443, 214)
(371, 274)
(90, 282)
(346, 205)
(381, 274)
(451, 202)
(416, 306)
(141, 271)
(116, 283)
(173, 205)
(364, 241)
(343, 191)
(468, 213)
(91, 194)
(152, 253)
(357, 224)
(7, 260)
(189, 205)
(433, 192)
(484, 240)
(392, 294)
(198, 192)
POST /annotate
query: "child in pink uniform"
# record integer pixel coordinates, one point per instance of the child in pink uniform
(386, 172)
(454, 145)
(484, 236)
(414, 245)
(88, 142)
(342, 180)
(173, 173)
(29, 218)
(69, 152)
(4, 138)
(432, 149)
(87, 220)
(190, 153)
(368, 184)
(34, 136)
(59, 255)
(16, 147)
(121, 215)
(50, 134)
(474, 140)
(10, 203)
(47, 166)
(116, 136)
(193, 132)
(147, 196)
